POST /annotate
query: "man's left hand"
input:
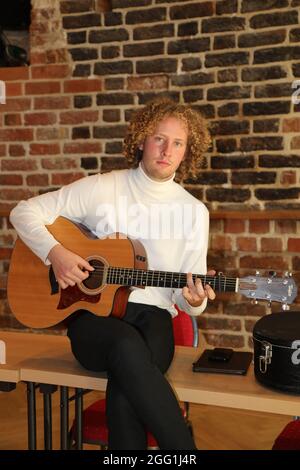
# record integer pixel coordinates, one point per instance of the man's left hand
(194, 293)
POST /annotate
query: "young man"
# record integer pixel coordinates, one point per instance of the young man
(143, 202)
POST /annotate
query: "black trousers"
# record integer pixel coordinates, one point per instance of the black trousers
(136, 352)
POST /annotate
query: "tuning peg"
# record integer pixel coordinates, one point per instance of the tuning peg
(285, 307)
(272, 273)
(270, 304)
(288, 274)
(257, 273)
(254, 302)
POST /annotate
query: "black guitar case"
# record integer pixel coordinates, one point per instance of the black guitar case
(276, 340)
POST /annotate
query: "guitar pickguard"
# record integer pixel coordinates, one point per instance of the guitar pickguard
(73, 294)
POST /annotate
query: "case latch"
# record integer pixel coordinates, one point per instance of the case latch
(266, 356)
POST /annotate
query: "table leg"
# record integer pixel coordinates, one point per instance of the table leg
(31, 415)
(78, 416)
(47, 391)
(64, 417)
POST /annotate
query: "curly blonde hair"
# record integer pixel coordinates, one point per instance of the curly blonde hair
(145, 121)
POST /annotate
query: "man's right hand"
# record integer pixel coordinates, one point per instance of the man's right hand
(69, 268)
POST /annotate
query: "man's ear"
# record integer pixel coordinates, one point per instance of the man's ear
(141, 146)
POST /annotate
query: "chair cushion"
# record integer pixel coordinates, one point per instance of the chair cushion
(289, 438)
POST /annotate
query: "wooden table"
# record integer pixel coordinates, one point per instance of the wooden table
(47, 360)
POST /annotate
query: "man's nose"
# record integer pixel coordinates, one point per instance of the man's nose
(167, 148)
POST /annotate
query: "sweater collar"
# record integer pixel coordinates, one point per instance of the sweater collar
(148, 185)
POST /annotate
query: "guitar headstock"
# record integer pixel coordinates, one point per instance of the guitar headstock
(271, 288)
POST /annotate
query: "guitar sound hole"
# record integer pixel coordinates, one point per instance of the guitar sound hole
(95, 278)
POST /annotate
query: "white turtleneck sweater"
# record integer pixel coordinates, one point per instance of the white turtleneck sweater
(171, 224)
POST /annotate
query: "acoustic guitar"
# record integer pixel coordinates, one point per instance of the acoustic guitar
(37, 301)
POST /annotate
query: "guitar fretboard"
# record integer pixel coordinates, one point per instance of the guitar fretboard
(141, 277)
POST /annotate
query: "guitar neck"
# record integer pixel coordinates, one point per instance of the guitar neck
(141, 277)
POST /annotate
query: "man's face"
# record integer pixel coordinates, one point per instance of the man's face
(164, 150)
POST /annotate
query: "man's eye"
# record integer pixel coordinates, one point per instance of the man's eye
(178, 144)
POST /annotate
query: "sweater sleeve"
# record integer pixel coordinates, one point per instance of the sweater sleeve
(194, 259)
(30, 217)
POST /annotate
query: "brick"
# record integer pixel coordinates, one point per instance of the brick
(272, 90)
(110, 52)
(226, 6)
(107, 132)
(81, 21)
(188, 29)
(266, 125)
(216, 24)
(39, 119)
(157, 66)
(261, 143)
(255, 5)
(224, 42)
(89, 163)
(50, 71)
(154, 31)
(190, 64)
(291, 125)
(148, 83)
(267, 107)
(285, 226)
(151, 15)
(11, 180)
(76, 7)
(14, 89)
(227, 59)
(129, 3)
(83, 53)
(253, 177)
(81, 132)
(16, 135)
(271, 244)
(16, 150)
(296, 70)
(275, 193)
(208, 178)
(42, 88)
(227, 75)
(295, 35)
(114, 99)
(226, 145)
(266, 20)
(108, 35)
(227, 127)
(144, 98)
(261, 39)
(221, 242)
(78, 37)
(243, 309)
(112, 18)
(58, 163)
(2, 150)
(229, 92)
(143, 49)
(12, 120)
(54, 102)
(37, 180)
(16, 104)
(192, 95)
(82, 147)
(44, 149)
(259, 226)
(113, 68)
(263, 262)
(113, 147)
(190, 79)
(78, 117)
(186, 46)
(111, 115)
(114, 84)
(82, 86)
(65, 178)
(9, 194)
(113, 163)
(246, 244)
(82, 101)
(192, 10)
(235, 162)
(254, 74)
(224, 341)
(288, 178)
(279, 161)
(295, 143)
(293, 244)
(276, 54)
(234, 226)
(82, 70)
(14, 73)
(228, 194)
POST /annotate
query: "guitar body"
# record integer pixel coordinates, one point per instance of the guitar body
(34, 295)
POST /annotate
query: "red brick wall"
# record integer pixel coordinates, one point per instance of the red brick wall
(92, 62)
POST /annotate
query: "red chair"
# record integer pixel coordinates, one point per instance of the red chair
(289, 438)
(94, 427)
